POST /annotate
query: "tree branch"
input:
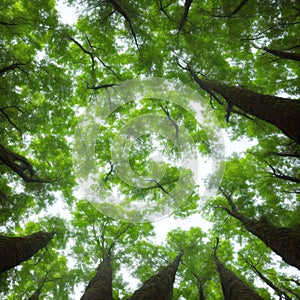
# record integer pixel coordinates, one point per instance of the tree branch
(130, 225)
(279, 292)
(101, 86)
(9, 119)
(8, 24)
(187, 6)
(284, 177)
(284, 154)
(166, 111)
(19, 164)
(284, 54)
(228, 198)
(91, 54)
(11, 68)
(202, 84)
(122, 12)
(235, 11)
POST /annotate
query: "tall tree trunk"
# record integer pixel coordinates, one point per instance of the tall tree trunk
(159, 286)
(200, 285)
(283, 241)
(281, 112)
(100, 286)
(278, 291)
(233, 287)
(284, 54)
(14, 250)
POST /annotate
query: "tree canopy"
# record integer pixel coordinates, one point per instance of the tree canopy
(106, 125)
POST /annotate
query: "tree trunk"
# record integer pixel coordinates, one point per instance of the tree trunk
(100, 286)
(283, 241)
(14, 250)
(159, 286)
(281, 112)
(201, 292)
(278, 291)
(284, 54)
(200, 285)
(233, 287)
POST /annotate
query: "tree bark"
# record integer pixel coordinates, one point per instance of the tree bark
(14, 250)
(281, 112)
(19, 164)
(284, 54)
(282, 240)
(233, 287)
(100, 286)
(159, 286)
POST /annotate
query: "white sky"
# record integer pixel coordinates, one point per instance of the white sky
(67, 14)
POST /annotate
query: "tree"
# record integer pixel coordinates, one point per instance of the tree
(18, 164)
(278, 291)
(281, 112)
(100, 286)
(15, 250)
(235, 54)
(197, 274)
(284, 54)
(36, 294)
(233, 287)
(160, 285)
(283, 241)
(101, 238)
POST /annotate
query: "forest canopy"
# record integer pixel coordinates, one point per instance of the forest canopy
(63, 127)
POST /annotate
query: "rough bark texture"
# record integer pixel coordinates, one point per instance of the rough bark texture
(100, 286)
(159, 286)
(283, 241)
(284, 54)
(281, 112)
(233, 287)
(14, 250)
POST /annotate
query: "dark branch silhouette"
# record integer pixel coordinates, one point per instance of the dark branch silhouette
(284, 54)
(122, 12)
(187, 6)
(19, 164)
(11, 68)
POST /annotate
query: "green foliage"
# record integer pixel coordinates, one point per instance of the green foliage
(50, 72)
